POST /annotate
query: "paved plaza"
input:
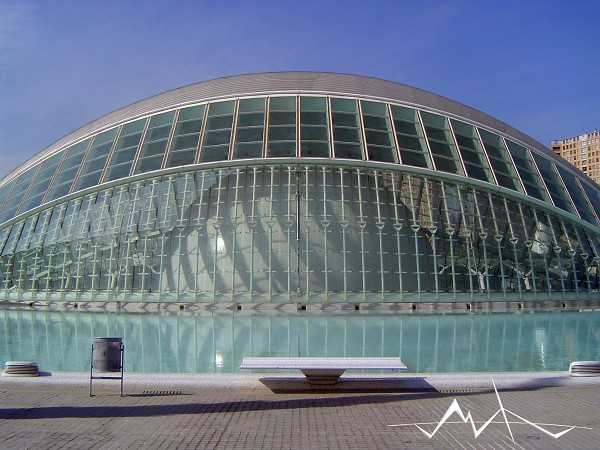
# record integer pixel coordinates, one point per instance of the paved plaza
(280, 411)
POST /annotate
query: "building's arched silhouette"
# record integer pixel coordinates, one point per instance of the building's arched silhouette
(298, 187)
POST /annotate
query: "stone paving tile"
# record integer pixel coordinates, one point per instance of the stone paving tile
(70, 419)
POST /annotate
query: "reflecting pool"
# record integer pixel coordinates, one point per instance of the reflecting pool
(60, 340)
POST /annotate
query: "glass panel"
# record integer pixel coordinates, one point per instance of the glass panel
(409, 135)
(378, 132)
(347, 136)
(67, 171)
(471, 151)
(41, 182)
(527, 171)
(155, 143)
(553, 183)
(186, 137)
(96, 160)
(17, 194)
(282, 127)
(593, 195)
(125, 150)
(500, 161)
(314, 132)
(250, 129)
(4, 191)
(215, 145)
(441, 143)
(577, 196)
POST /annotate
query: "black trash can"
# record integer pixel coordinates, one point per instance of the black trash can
(106, 354)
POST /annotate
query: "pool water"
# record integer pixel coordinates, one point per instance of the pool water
(60, 340)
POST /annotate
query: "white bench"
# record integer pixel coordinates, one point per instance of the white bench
(322, 370)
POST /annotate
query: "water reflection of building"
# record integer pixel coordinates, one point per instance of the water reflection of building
(298, 187)
(59, 339)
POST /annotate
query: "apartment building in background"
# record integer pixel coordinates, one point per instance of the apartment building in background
(582, 151)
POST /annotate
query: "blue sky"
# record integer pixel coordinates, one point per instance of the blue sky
(533, 64)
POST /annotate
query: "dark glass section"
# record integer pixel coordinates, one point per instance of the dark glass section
(18, 192)
(40, 184)
(250, 129)
(155, 143)
(95, 160)
(282, 127)
(529, 174)
(217, 135)
(125, 150)
(347, 137)
(577, 195)
(470, 149)
(593, 194)
(314, 130)
(67, 171)
(378, 132)
(409, 136)
(553, 183)
(186, 137)
(440, 140)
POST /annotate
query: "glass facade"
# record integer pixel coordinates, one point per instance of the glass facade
(304, 197)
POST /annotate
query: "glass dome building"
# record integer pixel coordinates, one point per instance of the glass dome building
(298, 187)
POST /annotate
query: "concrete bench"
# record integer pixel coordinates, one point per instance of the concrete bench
(322, 370)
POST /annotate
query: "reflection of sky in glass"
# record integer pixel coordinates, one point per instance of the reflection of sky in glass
(217, 342)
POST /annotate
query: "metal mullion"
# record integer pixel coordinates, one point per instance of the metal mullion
(234, 121)
(202, 133)
(379, 225)
(515, 167)
(397, 227)
(110, 155)
(580, 184)
(393, 129)
(450, 230)
(498, 238)
(234, 225)
(513, 240)
(571, 252)
(343, 223)
(298, 127)
(549, 286)
(17, 210)
(432, 230)
(426, 140)
(456, 146)
(361, 224)
(587, 198)
(307, 200)
(486, 156)
(528, 246)
(329, 114)
(252, 226)
(415, 228)
(14, 183)
(270, 224)
(170, 139)
(289, 224)
(467, 236)
(557, 251)
(532, 159)
(565, 190)
(266, 127)
(363, 135)
(139, 147)
(585, 257)
(83, 160)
